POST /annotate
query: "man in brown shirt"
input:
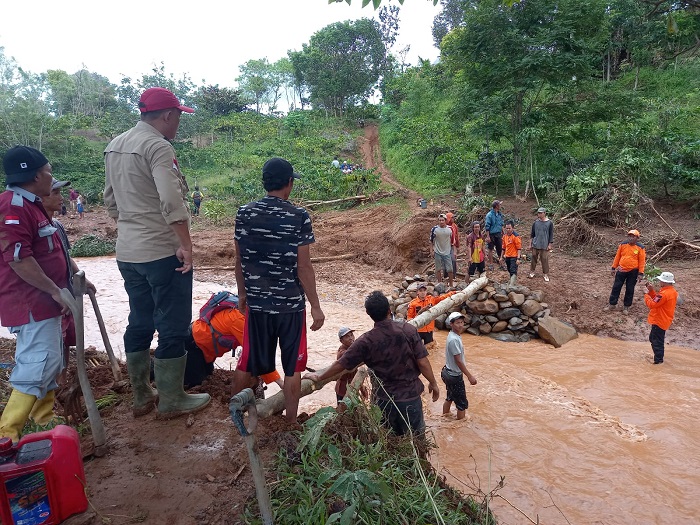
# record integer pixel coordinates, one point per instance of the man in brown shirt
(145, 193)
(396, 355)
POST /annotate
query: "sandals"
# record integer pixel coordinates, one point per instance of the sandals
(532, 274)
(546, 278)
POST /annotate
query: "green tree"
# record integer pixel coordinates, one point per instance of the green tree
(341, 63)
(510, 61)
(254, 81)
(219, 101)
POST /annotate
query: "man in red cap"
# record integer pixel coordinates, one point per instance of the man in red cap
(628, 270)
(146, 194)
(33, 270)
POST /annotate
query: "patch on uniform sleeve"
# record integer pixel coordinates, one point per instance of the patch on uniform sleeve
(11, 219)
(176, 166)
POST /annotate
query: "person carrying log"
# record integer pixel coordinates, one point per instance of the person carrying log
(421, 304)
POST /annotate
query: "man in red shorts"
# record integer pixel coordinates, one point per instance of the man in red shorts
(275, 277)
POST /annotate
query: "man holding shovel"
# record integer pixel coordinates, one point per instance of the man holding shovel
(33, 270)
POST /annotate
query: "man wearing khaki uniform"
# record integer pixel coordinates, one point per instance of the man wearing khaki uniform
(145, 194)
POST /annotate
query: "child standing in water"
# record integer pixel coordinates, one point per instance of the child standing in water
(455, 367)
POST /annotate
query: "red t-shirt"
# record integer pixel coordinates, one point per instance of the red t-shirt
(26, 231)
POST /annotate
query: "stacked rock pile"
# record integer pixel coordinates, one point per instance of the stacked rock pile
(503, 312)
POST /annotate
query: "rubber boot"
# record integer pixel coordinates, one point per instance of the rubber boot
(139, 366)
(513, 280)
(42, 412)
(15, 414)
(173, 400)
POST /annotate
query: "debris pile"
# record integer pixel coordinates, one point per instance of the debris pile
(503, 312)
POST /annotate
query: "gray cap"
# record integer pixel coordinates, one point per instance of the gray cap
(56, 184)
(541, 210)
(344, 330)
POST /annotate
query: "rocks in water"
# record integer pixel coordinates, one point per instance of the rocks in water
(489, 306)
(556, 332)
(530, 307)
(499, 326)
(516, 298)
(507, 313)
(506, 338)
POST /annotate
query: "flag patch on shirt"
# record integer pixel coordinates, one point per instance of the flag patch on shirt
(11, 219)
(176, 166)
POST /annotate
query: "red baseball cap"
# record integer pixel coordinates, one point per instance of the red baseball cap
(157, 98)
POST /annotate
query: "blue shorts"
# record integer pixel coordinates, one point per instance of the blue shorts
(39, 356)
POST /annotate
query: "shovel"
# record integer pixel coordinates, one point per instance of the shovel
(245, 400)
(116, 371)
(76, 307)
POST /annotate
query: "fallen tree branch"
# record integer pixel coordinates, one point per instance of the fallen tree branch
(354, 198)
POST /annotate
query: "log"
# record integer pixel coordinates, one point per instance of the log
(445, 305)
(275, 404)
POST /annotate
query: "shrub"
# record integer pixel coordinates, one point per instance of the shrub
(92, 246)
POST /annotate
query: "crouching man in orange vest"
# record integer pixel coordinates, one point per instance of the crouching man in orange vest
(209, 342)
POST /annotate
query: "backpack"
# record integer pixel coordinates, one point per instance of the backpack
(217, 302)
(196, 195)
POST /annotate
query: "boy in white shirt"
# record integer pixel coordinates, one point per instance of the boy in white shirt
(455, 367)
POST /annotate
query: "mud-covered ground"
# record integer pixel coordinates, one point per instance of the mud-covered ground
(195, 470)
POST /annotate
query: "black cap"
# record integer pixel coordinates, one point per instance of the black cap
(277, 169)
(21, 164)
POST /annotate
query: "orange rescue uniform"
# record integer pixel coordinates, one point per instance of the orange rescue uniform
(630, 257)
(662, 306)
(227, 322)
(511, 244)
(430, 300)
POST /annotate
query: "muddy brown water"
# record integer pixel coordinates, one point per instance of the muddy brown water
(590, 433)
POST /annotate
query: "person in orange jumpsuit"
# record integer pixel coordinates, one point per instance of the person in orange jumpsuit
(628, 270)
(202, 351)
(662, 308)
(419, 305)
(512, 248)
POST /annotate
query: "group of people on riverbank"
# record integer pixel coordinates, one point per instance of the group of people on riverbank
(497, 242)
(146, 195)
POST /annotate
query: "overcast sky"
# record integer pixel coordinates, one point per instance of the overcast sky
(207, 39)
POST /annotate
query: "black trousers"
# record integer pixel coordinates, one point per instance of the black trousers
(629, 279)
(657, 337)
(512, 265)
